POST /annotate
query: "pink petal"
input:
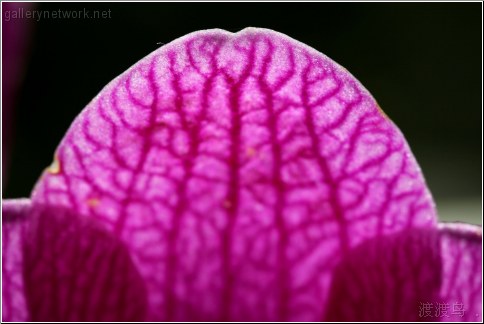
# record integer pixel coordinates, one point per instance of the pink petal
(462, 272)
(387, 279)
(14, 216)
(57, 267)
(237, 169)
(76, 271)
(417, 275)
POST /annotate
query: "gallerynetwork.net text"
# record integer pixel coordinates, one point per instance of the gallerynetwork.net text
(22, 13)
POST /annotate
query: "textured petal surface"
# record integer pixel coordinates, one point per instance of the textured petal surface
(57, 266)
(14, 216)
(387, 279)
(418, 275)
(462, 272)
(75, 271)
(237, 169)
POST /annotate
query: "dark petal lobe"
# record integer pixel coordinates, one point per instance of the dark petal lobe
(14, 216)
(418, 275)
(387, 279)
(75, 271)
(462, 271)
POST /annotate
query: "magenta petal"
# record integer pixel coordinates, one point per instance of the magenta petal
(57, 266)
(418, 275)
(75, 271)
(387, 279)
(237, 169)
(462, 272)
(14, 216)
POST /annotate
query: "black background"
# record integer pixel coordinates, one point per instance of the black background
(422, 62)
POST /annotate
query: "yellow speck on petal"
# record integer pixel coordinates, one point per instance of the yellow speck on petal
(55, 167)
(93, 202)
(251, 151)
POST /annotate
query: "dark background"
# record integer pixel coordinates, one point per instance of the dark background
(422, 62)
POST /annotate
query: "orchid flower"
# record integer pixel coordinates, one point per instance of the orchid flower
(235, 177)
